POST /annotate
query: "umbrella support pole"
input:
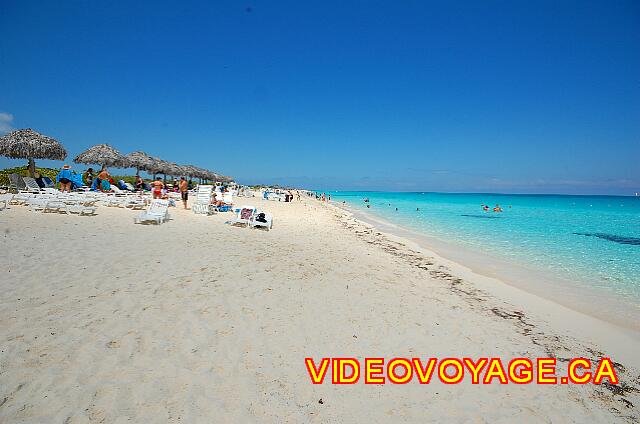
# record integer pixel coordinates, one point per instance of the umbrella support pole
(32, 168)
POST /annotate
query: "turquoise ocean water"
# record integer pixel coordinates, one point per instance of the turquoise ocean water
(592, 240)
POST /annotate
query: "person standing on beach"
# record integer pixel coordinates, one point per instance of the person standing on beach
(184, 191)
(139, 183)
(64, 179)
(103, 180)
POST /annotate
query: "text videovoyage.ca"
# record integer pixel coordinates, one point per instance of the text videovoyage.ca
(456, 370)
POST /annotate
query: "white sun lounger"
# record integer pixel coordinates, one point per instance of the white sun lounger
(158, 212)
(243, 215)
(31, 184)
(81, 209)
(6, 199)
(267, 216)
(56, 205)
(202, 203)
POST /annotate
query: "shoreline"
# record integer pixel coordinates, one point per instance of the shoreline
(612, 334)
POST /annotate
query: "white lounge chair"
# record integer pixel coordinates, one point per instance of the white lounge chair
(268, 218)
(243, 215)
(81, 209)
(202, 203)
(31, 184)
(158, 212)
(38, 203)
(56, 205)
(6, 199)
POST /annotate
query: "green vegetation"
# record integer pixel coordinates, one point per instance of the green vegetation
(52, 172)
(22, 170)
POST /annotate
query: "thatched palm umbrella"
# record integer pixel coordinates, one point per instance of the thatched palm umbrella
(30, 144)
(104, 155)
(141, 161)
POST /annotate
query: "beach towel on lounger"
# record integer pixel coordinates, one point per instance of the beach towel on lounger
(246, 213)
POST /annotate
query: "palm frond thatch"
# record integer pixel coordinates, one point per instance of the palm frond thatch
(103, 154)
(30, 144)
(141, 161)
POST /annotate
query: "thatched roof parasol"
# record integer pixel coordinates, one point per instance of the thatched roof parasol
(104, 155)
(189, 170)
(141, 161)
(30, 144)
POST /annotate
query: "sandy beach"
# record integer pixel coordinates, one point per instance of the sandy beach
(196, 321)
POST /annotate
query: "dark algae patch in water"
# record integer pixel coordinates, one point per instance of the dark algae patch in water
(481, 216)
(614, 238)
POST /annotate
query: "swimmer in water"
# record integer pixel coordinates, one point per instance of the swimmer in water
(417, 209)
(368, 206)
(497, 209)
(396, 208)
(485, 208)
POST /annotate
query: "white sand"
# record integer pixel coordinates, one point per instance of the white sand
(195, 321)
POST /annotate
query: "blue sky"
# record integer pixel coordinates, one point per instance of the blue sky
(442, 96)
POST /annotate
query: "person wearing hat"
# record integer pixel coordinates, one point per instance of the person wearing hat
(64, 179)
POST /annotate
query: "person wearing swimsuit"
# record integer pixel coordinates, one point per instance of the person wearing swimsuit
(157, 188)
(103, 177)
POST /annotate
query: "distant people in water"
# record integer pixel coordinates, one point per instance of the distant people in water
(368, 206)
(485, 208)
(396, 208)
(497, 208)
(366, 200)
(417, 209)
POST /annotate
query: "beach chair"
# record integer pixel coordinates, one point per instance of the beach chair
(31, 184)
(117, 190)
(55, 205)
(38, 203)
(6, 199)
(136, 203)
(227, 198)
(47, 182)
(243, 216)
(157, 212)
(16, 182)
(256, 220)
(81, 209)
(202, 204)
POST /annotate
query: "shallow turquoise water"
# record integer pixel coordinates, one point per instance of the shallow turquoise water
(594, 240)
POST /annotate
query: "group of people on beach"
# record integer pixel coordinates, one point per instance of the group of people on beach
(323, 197)
(102, 181)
